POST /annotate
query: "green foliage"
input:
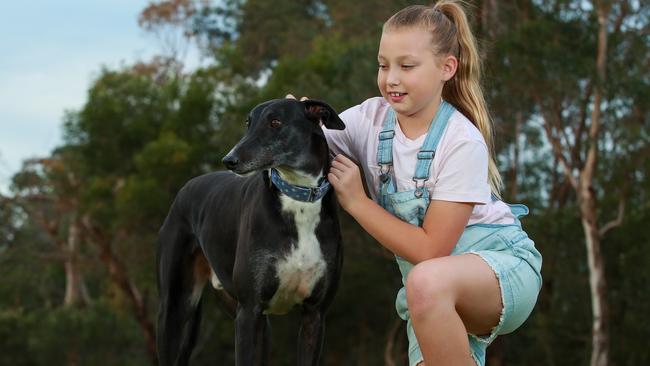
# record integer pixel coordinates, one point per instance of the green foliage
(560, 324)
(123, 112)
(336, 70)
(94, 335)
(28, 281)
(629, 296)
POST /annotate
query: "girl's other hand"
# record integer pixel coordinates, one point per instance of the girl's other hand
(345, 177)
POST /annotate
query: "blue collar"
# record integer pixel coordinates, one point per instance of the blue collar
(300, 193)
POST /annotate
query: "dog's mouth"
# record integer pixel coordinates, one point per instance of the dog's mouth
(250, 168)
(244, 174)
(245, 161)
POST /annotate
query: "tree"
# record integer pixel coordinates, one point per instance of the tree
(567, 78)
(47, 192)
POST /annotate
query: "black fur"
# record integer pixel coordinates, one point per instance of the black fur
(237, 225)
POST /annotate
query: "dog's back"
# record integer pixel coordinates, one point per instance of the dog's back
(218, 197)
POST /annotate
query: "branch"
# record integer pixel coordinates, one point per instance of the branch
(53, 257)
(557, 148)
(556, 144)
(616, 222)
(51, 227)
(589, 168)
(560, 128)
(575, 151)
(625, 8)
(119, 275)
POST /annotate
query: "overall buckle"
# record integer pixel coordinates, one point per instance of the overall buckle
(384, 169)
(419, 186)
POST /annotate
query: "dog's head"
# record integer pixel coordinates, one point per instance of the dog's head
(283, 132)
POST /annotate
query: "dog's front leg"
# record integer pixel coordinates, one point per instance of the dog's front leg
(310, 336)
(252, 340)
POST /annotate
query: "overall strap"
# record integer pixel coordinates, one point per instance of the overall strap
(428, 150)
(385, 156)
(385, 148)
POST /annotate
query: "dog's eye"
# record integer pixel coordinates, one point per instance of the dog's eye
(276, 123)
(248, 123)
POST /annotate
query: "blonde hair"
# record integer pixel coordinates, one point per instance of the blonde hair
(452, 35)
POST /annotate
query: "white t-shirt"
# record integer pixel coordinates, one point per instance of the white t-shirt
(459, 171)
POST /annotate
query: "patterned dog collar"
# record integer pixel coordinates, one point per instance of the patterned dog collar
(300, 193)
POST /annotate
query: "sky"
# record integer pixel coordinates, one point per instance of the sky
(50, 52)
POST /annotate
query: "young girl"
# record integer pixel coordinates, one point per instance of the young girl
(469, 271)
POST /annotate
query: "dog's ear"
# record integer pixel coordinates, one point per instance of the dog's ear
(323, 113)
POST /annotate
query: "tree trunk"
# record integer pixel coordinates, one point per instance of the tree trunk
(76, 292)
(118, 274)
(489, 15)
(587, 200)
(588, 207)
(597, 284)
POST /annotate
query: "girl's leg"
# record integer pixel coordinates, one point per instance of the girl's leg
(447, 298)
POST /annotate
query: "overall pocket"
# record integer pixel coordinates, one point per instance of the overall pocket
(407, 207)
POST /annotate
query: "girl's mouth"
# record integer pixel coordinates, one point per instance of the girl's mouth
(396, 97)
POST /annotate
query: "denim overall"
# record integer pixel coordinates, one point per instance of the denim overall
(505, 247)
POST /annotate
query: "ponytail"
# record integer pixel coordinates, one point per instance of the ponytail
(452, 35)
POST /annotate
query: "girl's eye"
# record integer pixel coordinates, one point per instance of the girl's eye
(407, 67)
(276, 123)
(382, 67)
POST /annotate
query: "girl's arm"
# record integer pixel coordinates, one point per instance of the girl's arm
(443, 224)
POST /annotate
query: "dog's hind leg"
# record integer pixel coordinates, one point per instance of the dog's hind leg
(181, 278)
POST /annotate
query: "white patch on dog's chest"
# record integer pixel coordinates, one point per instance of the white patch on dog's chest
(301, 269)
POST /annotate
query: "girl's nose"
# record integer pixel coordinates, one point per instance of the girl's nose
(392, 79)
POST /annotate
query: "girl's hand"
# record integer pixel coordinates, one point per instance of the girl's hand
(290, 96)
(345, 177)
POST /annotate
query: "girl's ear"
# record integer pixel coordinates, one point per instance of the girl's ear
(449, 67)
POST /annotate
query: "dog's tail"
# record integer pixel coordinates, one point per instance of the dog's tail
(180, 289)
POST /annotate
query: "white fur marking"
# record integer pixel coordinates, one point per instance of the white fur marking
(196, 293)
(304, 265)
(215, 281)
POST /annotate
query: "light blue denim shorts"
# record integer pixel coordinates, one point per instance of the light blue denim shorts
(517, 265)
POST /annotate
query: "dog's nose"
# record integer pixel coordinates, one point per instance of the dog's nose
(230, 161)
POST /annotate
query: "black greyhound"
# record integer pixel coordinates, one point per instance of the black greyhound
(267, 237)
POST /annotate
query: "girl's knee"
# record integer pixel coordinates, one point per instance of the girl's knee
(428, 289)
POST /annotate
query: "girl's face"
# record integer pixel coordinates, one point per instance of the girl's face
(410, 76)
